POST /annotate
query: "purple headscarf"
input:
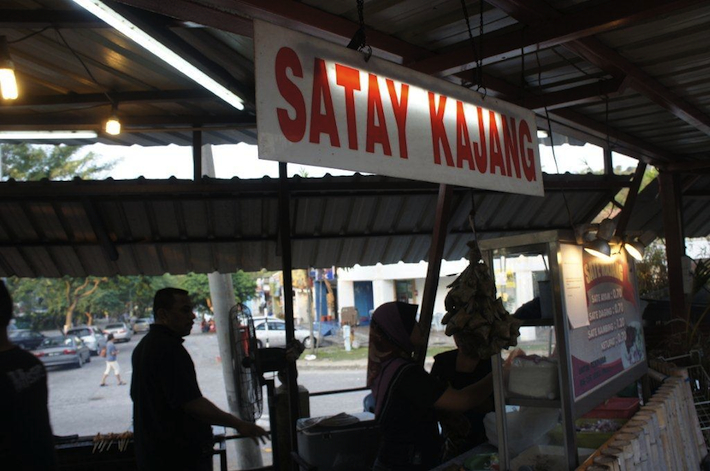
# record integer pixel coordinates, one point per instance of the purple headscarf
(390, 346)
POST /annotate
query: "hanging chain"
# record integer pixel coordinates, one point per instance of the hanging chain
(361, 17)
(472, 217)
(359, 40)
(477, 49)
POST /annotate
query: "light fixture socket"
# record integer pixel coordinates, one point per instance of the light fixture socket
(606, 229)
(647, 238)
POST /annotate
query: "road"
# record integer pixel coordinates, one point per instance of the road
(78, 405)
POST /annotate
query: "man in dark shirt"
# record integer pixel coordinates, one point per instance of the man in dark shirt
(171, 418)
(26, 441)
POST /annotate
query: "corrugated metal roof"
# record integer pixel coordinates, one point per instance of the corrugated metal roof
(176, 226)
(632, 76)
(648, 211)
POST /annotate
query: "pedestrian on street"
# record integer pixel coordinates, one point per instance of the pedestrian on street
(111, 362)
(171, 419)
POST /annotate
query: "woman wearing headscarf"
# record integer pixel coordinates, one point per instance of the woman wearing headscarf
(406, 396)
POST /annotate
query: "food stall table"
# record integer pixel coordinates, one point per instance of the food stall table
(458, 462)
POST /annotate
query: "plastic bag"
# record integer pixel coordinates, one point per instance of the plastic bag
(102, 353)
(527, 426)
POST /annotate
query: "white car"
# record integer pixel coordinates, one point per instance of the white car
(271, 332)
(91, 335)
(142, 325)
(120, 331)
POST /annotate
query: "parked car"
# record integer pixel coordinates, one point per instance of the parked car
(91, 335)
(272, 331)
(142, 325)
(25, 338)
(63, 350)
(120, 331)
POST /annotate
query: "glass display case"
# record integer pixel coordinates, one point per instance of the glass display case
(572, 352)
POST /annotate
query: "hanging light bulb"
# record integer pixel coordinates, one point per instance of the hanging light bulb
(113, 124)
(8, 83)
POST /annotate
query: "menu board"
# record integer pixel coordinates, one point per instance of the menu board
(611, 340)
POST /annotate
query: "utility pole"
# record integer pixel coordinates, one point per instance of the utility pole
(222, 294)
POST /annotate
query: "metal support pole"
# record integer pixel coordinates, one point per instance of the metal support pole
(197, 155)
(285, 236)
(436, 251)
(671, 200)
(271, 397)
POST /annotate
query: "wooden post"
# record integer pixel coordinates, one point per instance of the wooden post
(671, 201)
(436, 251)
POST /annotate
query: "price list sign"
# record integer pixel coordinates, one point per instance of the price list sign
(606, 336)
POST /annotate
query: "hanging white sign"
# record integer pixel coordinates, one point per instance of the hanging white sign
(322, 104)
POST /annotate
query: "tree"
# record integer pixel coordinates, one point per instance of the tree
(652, 271)
(75, 291)
(27, 162)
(54, 301)
(198, 286)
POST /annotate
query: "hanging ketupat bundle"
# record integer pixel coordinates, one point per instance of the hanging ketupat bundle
(473, 309)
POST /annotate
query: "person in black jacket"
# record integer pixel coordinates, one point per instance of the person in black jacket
(26, 440)
(171, 419)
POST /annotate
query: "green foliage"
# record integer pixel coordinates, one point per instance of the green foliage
(43, 303)
(652, 271)
(244, 285)
(198, 286)
(25, 162)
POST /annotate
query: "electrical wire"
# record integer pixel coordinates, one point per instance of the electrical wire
(477, 53)
(549, 130)
(81, 61)
(29, 35)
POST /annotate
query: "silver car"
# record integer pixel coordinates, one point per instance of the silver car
(142, 325)
(91, 335)
(271, 332)
(63, 350)
(120, 331)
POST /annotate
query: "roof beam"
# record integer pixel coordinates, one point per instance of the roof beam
(623, 142)
(574, 96)
(593, 51)
(604, 57)
(310, 20)
(41, 18)
(210, 188)
(185, 10)
(142, 97)
(30, 122)
(550, 32)
(294, 15)
(156, 27)
(44, 18)
(687, 167)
